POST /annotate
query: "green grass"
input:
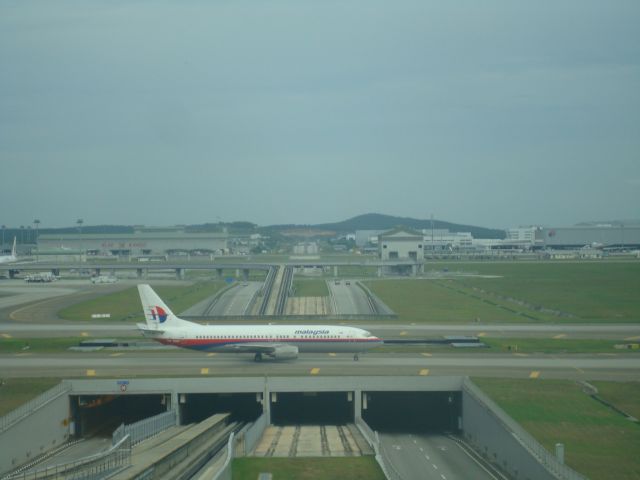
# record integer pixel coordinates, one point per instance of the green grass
(352, 468)
(38, 345)
(310, 288)
(16, 391)
(124, 306)
(599, 442)
(429, 301)
(585, 292)
(625, 396)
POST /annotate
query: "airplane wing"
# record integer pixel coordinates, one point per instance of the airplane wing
(275, 350)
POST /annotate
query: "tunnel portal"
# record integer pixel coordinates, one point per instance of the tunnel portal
(312, 408)
(412, 411)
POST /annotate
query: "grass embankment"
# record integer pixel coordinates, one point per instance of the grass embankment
(599, 442)
(586, 292)
(310, 288)
(16, 391)
(124, 306)
(353, 468)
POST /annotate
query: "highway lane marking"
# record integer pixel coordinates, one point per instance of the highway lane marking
(91, 373)
(6, 335)
(119, 354)
(435, 466)
(424, 372)
(424, 354)
(315, 371)
(559, 336)
(443, 477)
(534, 374)
(204, 371)
(212, 354)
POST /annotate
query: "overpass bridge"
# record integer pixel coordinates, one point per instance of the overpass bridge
(406, 267)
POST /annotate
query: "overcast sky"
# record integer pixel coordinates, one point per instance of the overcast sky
(494, 113)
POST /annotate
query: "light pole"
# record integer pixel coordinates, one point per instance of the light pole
(79, 222)
(36, 222)
(3, 228)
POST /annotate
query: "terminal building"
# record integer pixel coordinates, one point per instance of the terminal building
(142, 242)
(599, 236)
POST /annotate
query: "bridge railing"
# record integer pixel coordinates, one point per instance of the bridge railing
(94, 467)
(32, 405)
(146, 428)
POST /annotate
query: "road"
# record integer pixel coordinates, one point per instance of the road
(183, 362)
(234, 301)
(349, 299)
(430, 456)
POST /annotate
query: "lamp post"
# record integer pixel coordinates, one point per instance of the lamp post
(36, 222)
(3, 229)
(79, 222)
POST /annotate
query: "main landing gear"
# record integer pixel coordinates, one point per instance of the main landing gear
(258, 357)
(356, 357)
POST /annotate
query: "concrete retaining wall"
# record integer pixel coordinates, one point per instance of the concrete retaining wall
(45, 428)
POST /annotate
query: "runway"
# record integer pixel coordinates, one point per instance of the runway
(176, 362)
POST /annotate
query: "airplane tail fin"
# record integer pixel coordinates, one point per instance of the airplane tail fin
(13, 249)
(156, 313)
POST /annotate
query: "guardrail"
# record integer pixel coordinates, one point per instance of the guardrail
(381, 456)
(146, 428)
(94, 467)
(253, 433)
(225, 471)
(544, 457)
(32, 405)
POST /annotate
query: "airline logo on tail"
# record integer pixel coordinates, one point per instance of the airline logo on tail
(158, 313)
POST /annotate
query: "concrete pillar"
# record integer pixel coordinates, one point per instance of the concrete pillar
(357, 404)
(560, 452)
(139, 272)
(219, 270)
(414, 270)
(335, 270)
(175, 404)
(180, 273)
(379, 271)
(266, 404)
(245, 274)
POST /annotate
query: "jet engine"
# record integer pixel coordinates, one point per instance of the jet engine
(285, 352)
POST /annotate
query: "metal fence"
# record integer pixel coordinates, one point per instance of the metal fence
(95, 467)
(382, 458)
(32, 405)
(146, 428)
(546, 459)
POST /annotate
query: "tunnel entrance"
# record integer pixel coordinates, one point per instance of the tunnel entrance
(100, 415)
(412, 412)
(243, 407)
(312, 408)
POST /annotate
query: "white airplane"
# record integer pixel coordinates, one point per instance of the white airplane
(275, 341)
(10, 258)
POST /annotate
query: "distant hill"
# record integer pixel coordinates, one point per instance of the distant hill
(377, 221)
